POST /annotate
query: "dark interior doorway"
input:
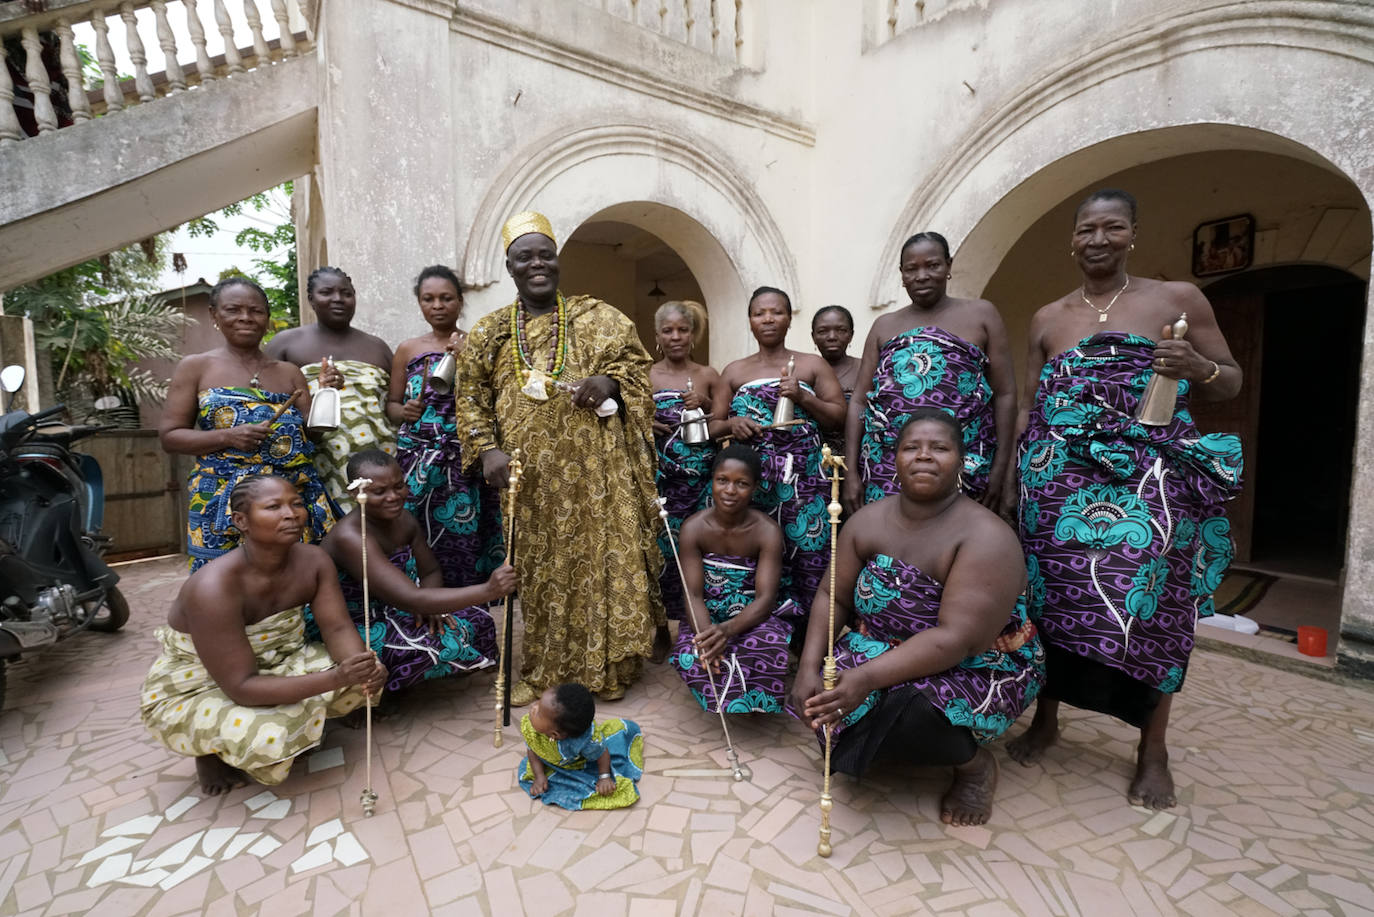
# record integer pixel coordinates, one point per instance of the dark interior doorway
(1298, 333)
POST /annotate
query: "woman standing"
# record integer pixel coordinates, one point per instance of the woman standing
(333, 354)
(940, 351)
(1122, 523)
(459, 515)
(940, 657)
(219, 409)
(684, 469)
(794, 490)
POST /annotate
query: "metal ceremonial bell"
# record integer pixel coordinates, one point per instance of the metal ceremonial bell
(441, 379)
(1156, 407)
(324, 411)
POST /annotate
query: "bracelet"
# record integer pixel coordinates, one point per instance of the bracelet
(606, 776)
(1216, 371)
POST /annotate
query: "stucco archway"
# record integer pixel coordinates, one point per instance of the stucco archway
(1153, 93)
(680, 189)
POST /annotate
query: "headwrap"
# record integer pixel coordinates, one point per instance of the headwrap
(523, 223)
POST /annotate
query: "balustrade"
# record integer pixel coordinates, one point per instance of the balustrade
(713, 26)
(54, 92)
(889, 18)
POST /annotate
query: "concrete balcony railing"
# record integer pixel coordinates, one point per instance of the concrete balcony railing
(884, 20)
(52, 92)
(713, 26)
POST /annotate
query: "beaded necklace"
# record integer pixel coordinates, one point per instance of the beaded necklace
(558, 352)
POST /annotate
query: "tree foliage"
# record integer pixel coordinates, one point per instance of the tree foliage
(274, 241)
(96, 320)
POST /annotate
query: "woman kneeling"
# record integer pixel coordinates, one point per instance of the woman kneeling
(731, 564)
(237, 685)
(940, 657)
(419, 628)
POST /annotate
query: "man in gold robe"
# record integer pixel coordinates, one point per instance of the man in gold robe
(537, 375)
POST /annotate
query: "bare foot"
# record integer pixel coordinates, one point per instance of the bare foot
(216, 777)
(1153, 786)
(969, 798)
(1029, 747)
(662, 643)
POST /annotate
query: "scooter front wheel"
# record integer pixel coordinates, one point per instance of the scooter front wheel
(112, 613)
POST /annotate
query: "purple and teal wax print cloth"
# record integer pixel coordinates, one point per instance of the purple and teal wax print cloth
(683, 479)
(460, 516)
(794, 490)
(927, 367)
(1122, 523)
(753, 672)
(403, 641)
(893, 602)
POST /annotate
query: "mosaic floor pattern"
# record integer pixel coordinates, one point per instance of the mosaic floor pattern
(1276, 816)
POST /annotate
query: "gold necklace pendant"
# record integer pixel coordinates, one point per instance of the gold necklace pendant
(534, 386)
(1102, 313)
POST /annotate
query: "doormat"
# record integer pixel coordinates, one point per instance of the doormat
(1241, 591)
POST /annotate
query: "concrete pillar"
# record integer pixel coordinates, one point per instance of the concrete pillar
(386, 132)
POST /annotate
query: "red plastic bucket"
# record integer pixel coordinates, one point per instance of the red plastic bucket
(1312, 640)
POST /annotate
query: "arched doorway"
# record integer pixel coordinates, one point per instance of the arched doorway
(633, 270)
(676, 187)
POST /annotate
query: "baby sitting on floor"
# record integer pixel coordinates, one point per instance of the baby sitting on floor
(574, 763)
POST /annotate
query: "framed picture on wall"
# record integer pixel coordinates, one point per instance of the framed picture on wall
(1223, 246)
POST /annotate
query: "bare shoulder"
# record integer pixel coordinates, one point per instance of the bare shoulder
(985, 310)
(734, 371)
(1182, 293)
(988, 533)
(310, 558)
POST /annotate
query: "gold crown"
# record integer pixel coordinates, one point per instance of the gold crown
(525, 222)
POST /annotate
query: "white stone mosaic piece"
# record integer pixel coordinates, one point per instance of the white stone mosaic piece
(325, 832)
(179, 808)
(240, 842)
(264, 847)
(144, 824)
(176, 854)
(187, 870)
(277, 810)
(112, 868)
(315, 856)
(324, 760)
(146, 879)
(260, 800)
(216, 838)
(348, 851)
(115, 845)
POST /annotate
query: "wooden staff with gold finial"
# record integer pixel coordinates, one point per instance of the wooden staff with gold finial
(368, 798)
(834, 464)
(503, 671)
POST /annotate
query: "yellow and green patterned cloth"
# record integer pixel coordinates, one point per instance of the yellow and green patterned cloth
(188, 712)
(571, 765)
(362, 423)
(285, 453)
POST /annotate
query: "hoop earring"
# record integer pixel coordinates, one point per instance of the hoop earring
(959, 482)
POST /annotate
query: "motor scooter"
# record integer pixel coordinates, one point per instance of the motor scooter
(53, 581)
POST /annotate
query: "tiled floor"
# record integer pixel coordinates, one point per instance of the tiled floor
(1275, 771)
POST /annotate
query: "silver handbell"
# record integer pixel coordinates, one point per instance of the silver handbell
(324, 411)
(694, 430)
(693, 423)
(1156, 408)
(441, 377)
(783, 411)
